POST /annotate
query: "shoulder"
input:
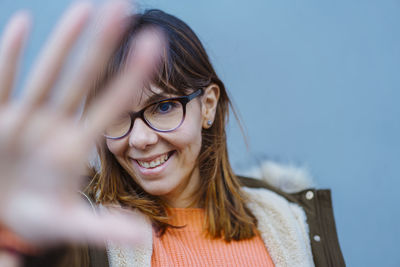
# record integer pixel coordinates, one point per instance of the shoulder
(286, 178)
(291, 183)
(290, 192)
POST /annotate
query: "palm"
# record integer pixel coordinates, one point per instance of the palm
(43, 147)
(40, 180)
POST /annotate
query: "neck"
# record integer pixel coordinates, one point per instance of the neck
(185, 195)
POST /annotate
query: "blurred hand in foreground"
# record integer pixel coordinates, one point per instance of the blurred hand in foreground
(43, 146)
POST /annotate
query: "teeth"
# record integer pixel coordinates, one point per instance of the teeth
(154, 163)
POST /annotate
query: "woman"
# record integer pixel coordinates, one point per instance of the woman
(166, 158)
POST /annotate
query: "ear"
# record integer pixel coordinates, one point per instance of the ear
(209, 103)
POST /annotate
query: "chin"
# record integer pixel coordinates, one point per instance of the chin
(157, 190)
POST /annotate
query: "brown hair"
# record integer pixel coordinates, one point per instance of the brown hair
(185, 67)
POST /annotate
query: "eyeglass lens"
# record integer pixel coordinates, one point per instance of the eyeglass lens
(163, 116)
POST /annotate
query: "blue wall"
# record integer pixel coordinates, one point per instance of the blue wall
(316, 83)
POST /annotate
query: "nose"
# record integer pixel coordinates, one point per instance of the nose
(141, 135)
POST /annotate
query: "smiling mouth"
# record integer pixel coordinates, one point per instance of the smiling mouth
(160, 160)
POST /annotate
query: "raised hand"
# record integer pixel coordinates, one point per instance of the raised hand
(43, 146)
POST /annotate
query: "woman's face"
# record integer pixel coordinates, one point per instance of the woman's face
(163, 164)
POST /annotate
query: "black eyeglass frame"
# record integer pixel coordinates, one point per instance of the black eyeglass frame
(140, 114)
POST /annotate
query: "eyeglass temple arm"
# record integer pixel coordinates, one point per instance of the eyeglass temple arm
(194, 94)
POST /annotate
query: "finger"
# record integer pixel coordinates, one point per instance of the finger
(52, 57)
(11, 47)
(122, 227)
(9, 259)
(54, 220)
(101, 47)
(114, 99)
(118, 94)
(79, 224)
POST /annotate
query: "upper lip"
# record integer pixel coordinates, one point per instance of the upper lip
(150, 158)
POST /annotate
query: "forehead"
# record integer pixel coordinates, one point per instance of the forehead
(146, 50)
(147, 95)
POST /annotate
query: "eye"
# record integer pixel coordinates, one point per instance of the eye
(165, 107)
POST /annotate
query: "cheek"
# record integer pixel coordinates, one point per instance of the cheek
(188, 140)
(117, 147)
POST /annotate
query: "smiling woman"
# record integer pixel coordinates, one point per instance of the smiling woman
(164, 156)
(168, 159)
(194, 146)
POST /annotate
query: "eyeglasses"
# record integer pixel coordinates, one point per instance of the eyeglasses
(162, 116)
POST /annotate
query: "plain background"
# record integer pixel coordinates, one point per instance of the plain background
(317, 85)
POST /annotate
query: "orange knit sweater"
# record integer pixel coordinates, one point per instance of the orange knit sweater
(189, 246)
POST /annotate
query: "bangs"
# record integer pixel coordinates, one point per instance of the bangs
(169, 74)
(182, 67)
(166, 77)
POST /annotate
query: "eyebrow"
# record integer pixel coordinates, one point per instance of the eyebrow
(155, 98)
